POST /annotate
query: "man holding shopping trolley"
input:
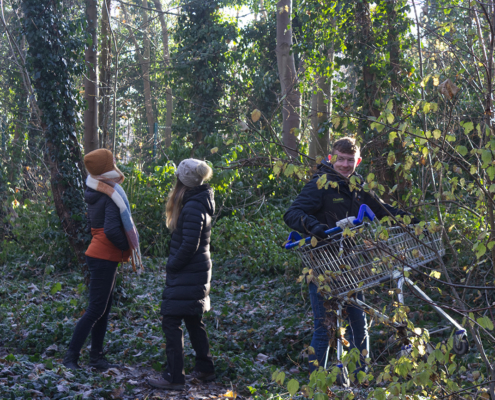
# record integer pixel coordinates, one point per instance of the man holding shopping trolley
(316, 210)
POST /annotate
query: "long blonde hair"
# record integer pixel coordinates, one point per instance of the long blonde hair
(174, 204)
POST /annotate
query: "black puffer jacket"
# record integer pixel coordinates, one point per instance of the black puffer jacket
(189, 265)
(315, 206)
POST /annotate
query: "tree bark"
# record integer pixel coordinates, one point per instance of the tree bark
(288, 79)
(105, 74)
(145, 61)
(320, 113)
(363, 20)
(91, 79)
(166, 63)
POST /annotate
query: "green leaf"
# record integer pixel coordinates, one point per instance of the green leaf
(293, 387)
(437, 134)
(280, 378)
(320, 183)
(391, 137)
(57, 287)
(379, 394)
(391, 158)
(462, 150)
(468, 127)
(486, 156)
(370, 177)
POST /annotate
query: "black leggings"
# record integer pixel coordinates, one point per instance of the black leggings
(95, 318)
(171, 326)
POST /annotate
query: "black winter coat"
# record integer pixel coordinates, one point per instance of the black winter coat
(187, 290)
(315, 206)
(104, 213)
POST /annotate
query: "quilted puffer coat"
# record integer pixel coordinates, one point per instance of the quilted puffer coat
(187, 290)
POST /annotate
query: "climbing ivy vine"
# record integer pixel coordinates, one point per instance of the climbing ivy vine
(54, 58)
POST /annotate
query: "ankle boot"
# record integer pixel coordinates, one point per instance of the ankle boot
(70, 360)
(97, 360)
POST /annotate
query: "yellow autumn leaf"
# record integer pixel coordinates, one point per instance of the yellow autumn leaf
(214, 150)
(255, 115)
(230, 394)
(314, 241)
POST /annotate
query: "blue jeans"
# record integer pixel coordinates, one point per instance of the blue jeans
(357, 331)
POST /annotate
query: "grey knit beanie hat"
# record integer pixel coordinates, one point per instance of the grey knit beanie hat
(193, 172)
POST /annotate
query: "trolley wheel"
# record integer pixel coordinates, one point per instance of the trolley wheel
(461, 346)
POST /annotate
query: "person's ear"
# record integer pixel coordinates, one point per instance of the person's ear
(329, 157)
(359, 161)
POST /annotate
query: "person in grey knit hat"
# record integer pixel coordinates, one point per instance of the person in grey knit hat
(193, 172)
(186, 297)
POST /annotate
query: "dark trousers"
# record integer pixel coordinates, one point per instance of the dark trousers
(171, 326)
(357, 331)
(95, 319)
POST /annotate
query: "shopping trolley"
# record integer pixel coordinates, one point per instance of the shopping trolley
(359, 254)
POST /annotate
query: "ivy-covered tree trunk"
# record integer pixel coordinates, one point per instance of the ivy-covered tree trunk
(91, 79)
(54, 56)
(288, 79)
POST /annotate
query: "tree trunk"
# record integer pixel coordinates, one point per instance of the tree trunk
(363, 20)
(145, 68)
(91, 79)
(322, 112)
(53, 81)
(166, 63)
(105, 75)
(144, 60)
(288, 79)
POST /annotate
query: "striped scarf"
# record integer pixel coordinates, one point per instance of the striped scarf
(108, 183)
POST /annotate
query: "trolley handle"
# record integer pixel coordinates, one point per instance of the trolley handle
(364, 211)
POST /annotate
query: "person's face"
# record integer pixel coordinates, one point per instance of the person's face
(345, 164)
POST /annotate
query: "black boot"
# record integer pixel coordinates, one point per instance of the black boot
(70, 360)
(97, 360)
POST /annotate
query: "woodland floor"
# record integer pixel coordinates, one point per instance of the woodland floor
(259, 322)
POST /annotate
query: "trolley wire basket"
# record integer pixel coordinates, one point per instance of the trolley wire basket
(366, 254)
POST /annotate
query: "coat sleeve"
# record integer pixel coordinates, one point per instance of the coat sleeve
(113, 227)
(379, 207)
(300, 216)
(193, 221)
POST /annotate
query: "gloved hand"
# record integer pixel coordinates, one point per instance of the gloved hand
(319, 231)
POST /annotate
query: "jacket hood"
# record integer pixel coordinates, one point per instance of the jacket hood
(92, 196)
(203, 194)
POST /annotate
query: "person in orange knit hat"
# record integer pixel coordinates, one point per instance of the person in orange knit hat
(114, 239)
